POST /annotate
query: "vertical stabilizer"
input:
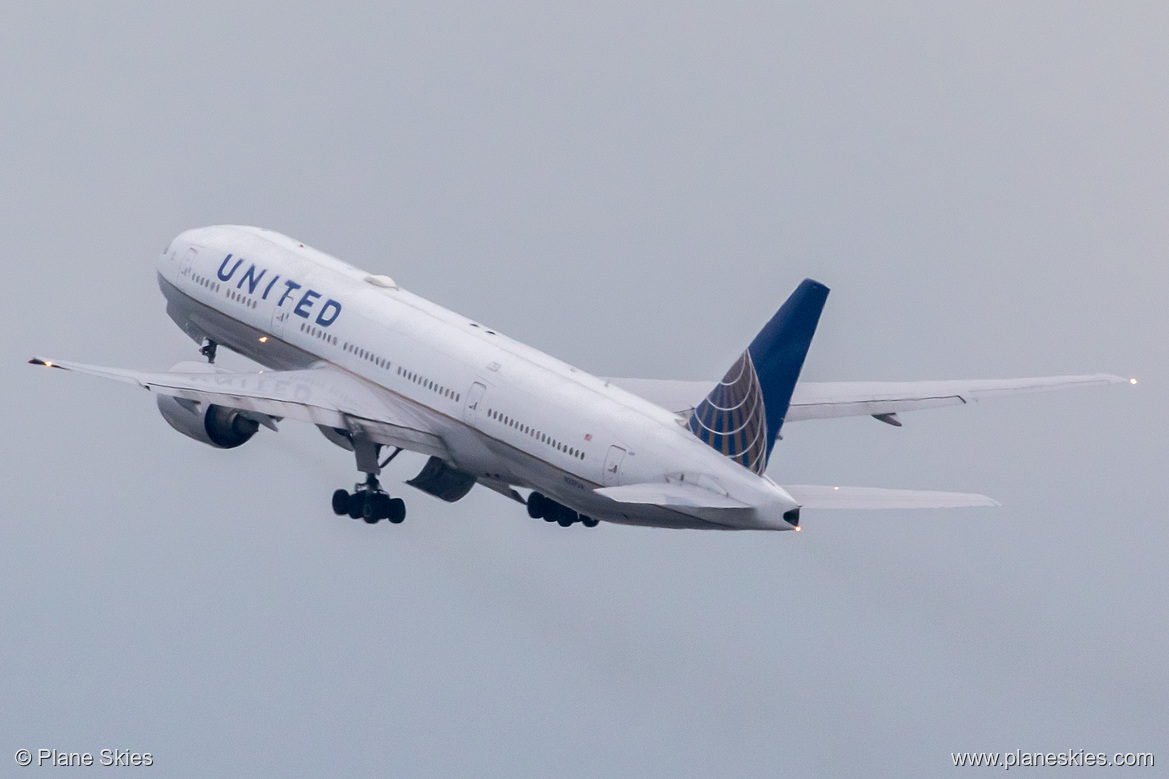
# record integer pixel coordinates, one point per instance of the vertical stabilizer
(743, 414)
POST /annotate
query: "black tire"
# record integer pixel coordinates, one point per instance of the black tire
(340, 502)
(356, 505)
(380, 505)
(396, 511)
(371, 512)
(536, 507)
(589, 521)
(566, 520)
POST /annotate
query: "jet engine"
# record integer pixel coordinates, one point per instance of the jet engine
(223, 428)
(218, 426)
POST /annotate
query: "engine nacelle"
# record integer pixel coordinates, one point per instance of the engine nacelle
(223, 428)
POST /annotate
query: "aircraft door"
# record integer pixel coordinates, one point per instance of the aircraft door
(474, 398)
(280, 316)
(612, 475)
(188, 258)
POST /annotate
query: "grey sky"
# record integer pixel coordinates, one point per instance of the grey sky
(634, 189)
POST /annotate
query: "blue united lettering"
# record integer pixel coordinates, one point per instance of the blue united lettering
(289, 287)
(251, 278)
(227, 276)
(326, 313)
(306, 302)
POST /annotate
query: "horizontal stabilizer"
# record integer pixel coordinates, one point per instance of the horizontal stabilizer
(817, 497)
(824, 400)
(672, 495)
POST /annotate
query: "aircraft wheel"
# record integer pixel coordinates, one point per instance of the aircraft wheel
(566, 520)
(536, 507)
(356, 505)
(589, 521)
(379, 504)
(340, 502)
(375, 507)
(396, 511)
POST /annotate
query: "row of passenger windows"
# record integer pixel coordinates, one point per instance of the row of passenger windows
(317, 332)
(433, 386)
(238, 298)
(536, 434)
(382, 362)
(367, 355)
(205, 282)
(410, 376)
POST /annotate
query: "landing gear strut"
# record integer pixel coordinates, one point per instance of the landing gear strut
(369, 502)
(208, 350)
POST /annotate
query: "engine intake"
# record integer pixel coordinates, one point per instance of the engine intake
(218, 426)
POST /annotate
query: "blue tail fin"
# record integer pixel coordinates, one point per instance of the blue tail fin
(742, 416)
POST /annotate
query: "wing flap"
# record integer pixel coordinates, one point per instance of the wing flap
(321, 396)
(824, 497)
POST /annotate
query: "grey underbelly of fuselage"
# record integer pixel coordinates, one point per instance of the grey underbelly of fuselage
(200, 321)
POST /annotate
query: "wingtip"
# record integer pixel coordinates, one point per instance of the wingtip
(46, 363)
(975, 500)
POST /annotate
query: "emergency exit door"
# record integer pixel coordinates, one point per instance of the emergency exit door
(612, 475)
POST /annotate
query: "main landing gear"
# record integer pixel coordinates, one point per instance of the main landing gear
(368, 501)
(543, 507)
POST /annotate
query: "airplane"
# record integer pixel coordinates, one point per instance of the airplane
(376, 368)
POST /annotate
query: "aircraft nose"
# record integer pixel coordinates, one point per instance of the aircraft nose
(199, 237)
(181, 243)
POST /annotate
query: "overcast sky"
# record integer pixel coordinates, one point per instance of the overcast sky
(633, 188)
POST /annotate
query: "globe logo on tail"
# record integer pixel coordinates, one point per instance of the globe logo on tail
(732, 419)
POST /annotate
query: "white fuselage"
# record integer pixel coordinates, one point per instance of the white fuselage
(508, 413)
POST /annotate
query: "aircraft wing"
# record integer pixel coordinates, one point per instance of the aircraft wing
(323, 396)
(817, 497)
(823, 400)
